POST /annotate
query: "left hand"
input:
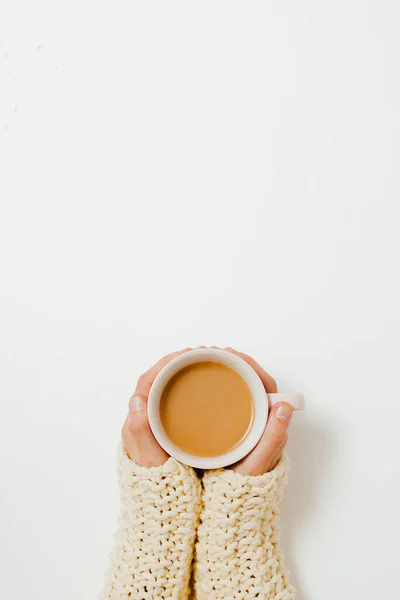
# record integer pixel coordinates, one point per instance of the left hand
(139, 442)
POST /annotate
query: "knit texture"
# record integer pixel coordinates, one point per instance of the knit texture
(237, 552)
(153, 551)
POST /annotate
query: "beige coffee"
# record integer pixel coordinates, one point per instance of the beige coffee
(206, 409)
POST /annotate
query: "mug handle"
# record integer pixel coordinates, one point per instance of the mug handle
(296, 400)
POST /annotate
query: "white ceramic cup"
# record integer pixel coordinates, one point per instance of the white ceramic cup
(261, 400)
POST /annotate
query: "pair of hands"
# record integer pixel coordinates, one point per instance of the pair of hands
(142, 447)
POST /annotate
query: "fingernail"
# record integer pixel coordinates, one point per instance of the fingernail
(136, 404)
(284, 412)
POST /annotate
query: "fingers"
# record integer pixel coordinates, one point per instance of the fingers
(139, 441)
(146, 380)
(268, 381)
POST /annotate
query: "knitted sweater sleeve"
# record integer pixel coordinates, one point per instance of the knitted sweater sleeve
(237, 551)
(154, 543)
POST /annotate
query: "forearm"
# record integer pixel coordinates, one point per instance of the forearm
(154, 544)
(237, 552)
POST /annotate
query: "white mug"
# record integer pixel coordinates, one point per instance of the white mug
(262, 401)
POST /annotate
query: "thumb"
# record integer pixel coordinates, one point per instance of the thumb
(137, 417)
(276, 434)
(268, 451)
(139, 441)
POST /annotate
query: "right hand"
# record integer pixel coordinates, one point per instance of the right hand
(138, 439)
(265, 456)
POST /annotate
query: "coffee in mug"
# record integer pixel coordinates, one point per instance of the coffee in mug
(206, 409)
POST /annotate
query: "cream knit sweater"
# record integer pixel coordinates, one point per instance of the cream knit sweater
(236, 553)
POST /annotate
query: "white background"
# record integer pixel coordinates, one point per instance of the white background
(178, 173)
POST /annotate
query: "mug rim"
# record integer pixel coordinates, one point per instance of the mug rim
(260, 405)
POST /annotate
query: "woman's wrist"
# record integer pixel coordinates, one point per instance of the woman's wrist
(222, 480)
